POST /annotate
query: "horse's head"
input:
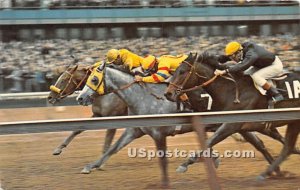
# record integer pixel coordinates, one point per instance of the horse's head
(189, 74)
(69, 81)
(94, 85)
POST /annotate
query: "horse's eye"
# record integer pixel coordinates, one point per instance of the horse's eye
(181, 72)
(95, 80)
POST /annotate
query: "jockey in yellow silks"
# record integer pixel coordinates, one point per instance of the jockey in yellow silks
(124, 57)
(160, 68)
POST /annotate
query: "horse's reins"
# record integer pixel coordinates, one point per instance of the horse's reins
(122, 88)
(180, 87)
(237, 93)
(71, 80)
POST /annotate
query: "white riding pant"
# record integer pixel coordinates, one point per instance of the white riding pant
(260, 76)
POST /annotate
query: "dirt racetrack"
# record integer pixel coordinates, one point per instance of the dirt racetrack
(26, 162)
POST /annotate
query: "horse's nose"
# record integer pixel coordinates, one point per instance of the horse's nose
(51, 100)
(168, 95)
(80, 100)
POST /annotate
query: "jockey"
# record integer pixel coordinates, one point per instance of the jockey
(250, 54)
(124, 57)
(160, 69)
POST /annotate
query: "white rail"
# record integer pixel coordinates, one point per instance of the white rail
(42, 126)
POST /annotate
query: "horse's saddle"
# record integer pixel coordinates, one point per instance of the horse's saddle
(272, 80)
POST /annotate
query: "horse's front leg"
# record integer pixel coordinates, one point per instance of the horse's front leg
(128, 136)
(273, 133)
(66, 142)
(161, 145)
(109, 136)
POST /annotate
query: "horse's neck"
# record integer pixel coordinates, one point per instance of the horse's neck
(223, 91)
(81, 77)
(139, 99)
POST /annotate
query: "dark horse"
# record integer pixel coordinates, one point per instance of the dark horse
(223, 92)
(73, 79)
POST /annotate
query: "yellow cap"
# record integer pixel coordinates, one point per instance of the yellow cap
(232, 47)
(112, 55)
(148, 62)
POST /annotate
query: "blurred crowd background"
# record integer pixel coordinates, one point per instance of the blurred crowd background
(33, 63)
(34, 66)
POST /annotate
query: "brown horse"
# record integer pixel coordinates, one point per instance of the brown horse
(73, 79)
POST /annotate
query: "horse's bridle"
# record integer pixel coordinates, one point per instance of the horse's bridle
(71, 80)
(179, 88)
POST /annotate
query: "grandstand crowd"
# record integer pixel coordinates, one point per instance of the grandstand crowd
(34, 66)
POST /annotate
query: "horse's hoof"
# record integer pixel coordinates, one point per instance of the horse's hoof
(181, 169)
(100, 168)
(57, 151)
(86, 170)
(260, 178)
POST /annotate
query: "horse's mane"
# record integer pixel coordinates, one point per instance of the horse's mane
(210, 60)
(119, 68)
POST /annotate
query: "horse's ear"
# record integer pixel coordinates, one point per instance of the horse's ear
(90, 67)
(195, 56)
(73, 69)
(102, 66)
(191, 57)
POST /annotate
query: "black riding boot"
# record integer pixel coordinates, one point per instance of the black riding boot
(276, 96)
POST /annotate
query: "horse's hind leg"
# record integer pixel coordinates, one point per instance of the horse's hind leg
(128, 136)
(109, 136)
(66, 142)
(222, 132)
(161, 145)
(273, 133)
(259, 145)
(291, 138)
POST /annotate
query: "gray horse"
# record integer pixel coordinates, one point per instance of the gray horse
(141, 99)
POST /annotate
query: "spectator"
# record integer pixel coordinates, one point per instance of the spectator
(16, 76)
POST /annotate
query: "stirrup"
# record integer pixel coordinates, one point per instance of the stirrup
(277, 98)
(273, 100)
